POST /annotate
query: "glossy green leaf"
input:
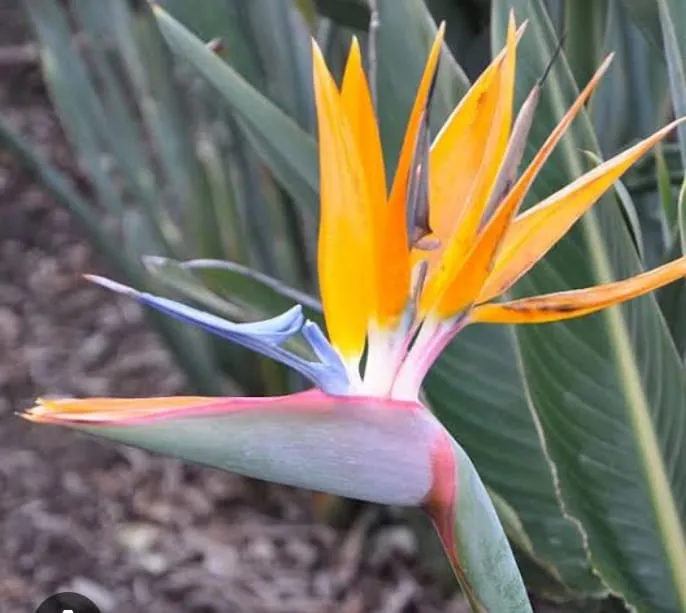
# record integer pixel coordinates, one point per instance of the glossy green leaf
(645, 15)
(608, 390)
(672, 301)
(673, 23)
(349, 13)
(628, 207)
(668, 199)
(232, 288)
(631, 100)
(585, 27)
(287, 150)
(466, 32)
(673, 298)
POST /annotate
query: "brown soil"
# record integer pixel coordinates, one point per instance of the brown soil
(136, 532)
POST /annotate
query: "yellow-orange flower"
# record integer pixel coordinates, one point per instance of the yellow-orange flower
(481, 245)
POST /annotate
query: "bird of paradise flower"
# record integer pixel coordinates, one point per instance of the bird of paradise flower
(401, 272)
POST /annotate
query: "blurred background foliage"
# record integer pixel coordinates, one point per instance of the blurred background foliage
(195, 126)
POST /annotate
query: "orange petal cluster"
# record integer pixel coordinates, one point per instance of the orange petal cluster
(484, 245)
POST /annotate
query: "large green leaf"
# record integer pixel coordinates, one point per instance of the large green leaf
(287, 149)
(585, 28)
(645, 15)
(213, 283)
(632, 98)
(608, 390)
(594, 29)
(638, 75)
(350, 13)
(673, 299)
(673, 23)
(466, 32)
(267, 42)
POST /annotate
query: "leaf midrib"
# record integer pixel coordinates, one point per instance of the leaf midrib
(657, 481)
(622, 353)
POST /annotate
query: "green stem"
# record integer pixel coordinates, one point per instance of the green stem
(476, 545)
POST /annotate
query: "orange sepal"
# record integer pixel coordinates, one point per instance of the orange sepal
(535, 232)
(345, 248)
(71, 410)
(390, 266)
(487, 139)
(359, 109)
(579, 302)
(459, 149)
(476, 269)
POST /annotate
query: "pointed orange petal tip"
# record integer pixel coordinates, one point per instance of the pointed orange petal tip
(399, 186)
(316, 52)
(129, 411)
(354, 53)
(577, 303)
(537, 230)
(113, 410)
(511, 20)
(521, 29)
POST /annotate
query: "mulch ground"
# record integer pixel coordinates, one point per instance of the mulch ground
(136, 532)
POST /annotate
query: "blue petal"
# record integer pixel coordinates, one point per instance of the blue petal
(273, 331)
(262, 336)
(321, 345)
